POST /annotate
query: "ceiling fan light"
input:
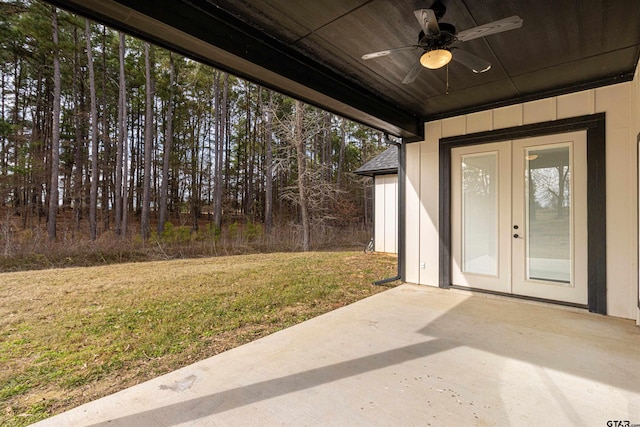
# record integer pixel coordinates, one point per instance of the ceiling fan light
(435, 59)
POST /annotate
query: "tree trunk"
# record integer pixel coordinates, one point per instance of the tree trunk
(302, 187)
(107, 163)
(55, 132)
(75, 175)
(217, 178)
(343, 138)
(217, 215)
(120, 193)
(93, 201)
(145, 220)
(248, 154)
(195, 191)
(168, 141)
(4, 193)
(327, 148)
(268, 197)
(562, 179)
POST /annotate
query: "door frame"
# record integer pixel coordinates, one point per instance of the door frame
(595, 127)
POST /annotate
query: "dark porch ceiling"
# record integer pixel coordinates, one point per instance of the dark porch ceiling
(312, 49)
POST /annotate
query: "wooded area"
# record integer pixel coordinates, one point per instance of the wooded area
(105, 136)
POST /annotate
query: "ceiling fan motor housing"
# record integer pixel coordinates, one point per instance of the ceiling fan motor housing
(442, 40)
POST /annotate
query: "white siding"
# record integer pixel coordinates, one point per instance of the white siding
(480, 122)
(378, 212)
(620, 102)
(391, 214)
(429, 215)
(543, 110)
(507, 116)
(454, 126)
(634, 120)
(386, 213)
(412, 224)
(621, 199)
(576, 104)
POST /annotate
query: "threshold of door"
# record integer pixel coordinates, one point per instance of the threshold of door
(521, 297)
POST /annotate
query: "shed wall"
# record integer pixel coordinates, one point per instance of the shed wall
(386, 213)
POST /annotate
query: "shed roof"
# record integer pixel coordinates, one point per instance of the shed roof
(383, 164)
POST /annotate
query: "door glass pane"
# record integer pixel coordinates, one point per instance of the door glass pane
(480, 214)
(548, 206)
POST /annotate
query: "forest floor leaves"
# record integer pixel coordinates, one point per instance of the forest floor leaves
(69, 336)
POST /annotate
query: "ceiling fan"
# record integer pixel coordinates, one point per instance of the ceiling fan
(438, 41)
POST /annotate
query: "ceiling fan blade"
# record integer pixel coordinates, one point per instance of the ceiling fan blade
(477, 65)
(428, 21)
(388, 52)
(494, 27)
(413, 73)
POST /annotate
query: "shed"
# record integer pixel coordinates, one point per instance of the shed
(383, 169)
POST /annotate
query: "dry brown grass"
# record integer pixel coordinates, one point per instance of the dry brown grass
(30, 249)
(72, 335)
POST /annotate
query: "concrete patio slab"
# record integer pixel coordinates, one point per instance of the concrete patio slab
(409, 356)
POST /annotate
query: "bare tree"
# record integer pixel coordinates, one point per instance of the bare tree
(550, 187)
(55, 132)
(343, 139)
(268, 198)
(327, 147)
(93, 198)
(315, 196)
(300, 145)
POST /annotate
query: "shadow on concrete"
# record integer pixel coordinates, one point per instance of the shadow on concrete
(200, 407)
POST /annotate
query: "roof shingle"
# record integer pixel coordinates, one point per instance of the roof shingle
(383, 164)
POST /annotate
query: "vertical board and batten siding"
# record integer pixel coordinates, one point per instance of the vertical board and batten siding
(635, 134)
(620, 102)
(386, 213)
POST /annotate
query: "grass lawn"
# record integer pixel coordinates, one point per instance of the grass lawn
(69, 336)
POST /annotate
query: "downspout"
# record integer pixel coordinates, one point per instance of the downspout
(402, 177)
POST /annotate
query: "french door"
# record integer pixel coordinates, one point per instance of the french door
(519, 217)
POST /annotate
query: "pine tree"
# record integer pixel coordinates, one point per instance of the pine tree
(55, 132)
